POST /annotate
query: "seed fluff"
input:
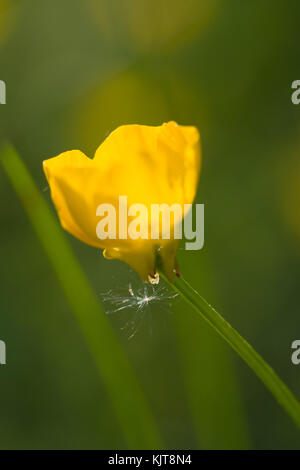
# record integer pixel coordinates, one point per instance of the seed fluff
(139, 300)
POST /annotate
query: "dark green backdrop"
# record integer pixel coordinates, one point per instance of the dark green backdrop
(74, 71)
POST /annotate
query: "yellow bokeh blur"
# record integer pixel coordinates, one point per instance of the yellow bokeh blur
(6, 19)
(153, 25)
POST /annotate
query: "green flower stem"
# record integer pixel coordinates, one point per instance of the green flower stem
(128, 400)
(267, 375)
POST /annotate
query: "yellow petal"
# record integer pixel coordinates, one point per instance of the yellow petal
(152, 164)
(149, 165)
(70, 176)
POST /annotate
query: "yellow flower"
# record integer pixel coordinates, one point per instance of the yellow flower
(149, 165)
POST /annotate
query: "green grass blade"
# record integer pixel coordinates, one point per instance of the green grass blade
(267, 375)
(216, 370)
(212, 388)
(128, 400)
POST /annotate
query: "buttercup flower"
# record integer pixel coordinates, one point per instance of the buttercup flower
(148, 165)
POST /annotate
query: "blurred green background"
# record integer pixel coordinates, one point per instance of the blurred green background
(74, 71)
